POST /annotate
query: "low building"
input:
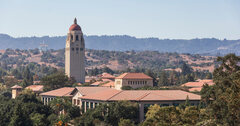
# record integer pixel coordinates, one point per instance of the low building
(134, 80)
(46, 97)
(89, 97)
(107, 76)
(197, 86)
(16, 90)
(37, 89)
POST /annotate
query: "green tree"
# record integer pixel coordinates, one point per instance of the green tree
(125, 122)
(38, 119)
(55, 81)
(224, 96)
(186, 69)
(163, 79)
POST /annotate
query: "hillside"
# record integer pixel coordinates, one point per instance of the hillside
(116, 60)
(206, 46)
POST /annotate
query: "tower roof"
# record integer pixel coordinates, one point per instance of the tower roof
(75, 26)
(16, 87)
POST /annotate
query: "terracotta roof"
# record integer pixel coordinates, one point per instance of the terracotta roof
(75, 26)
(65, 91)
(133, 76)
(195, 89)
(90, 90)
(141, 95)
(198, 84)
(107, 76)
(36, 88)
(36, 82)
(16, 87)
(109, 84)
(105, 80)
(96, 83)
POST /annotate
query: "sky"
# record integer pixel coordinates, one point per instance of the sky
(164, 19)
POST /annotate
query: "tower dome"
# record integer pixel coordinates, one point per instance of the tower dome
(75, 26)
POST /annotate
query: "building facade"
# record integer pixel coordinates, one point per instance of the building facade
(16, 90)
(75, 53)
(90, 97)
(134, 80)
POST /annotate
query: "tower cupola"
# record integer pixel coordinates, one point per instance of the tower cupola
(75, 26)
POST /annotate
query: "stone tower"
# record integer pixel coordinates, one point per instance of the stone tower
(75, 53)
(16, 90)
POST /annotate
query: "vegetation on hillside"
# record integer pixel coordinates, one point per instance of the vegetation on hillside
(219, 106)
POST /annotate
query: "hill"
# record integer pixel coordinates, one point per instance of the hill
(116, 60)
(205, 46)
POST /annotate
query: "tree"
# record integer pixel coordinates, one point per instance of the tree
(163, 79)
(38, 119)
(54, 81)
(125, 122)
(109, 113)
(224, 97)
(186, 69)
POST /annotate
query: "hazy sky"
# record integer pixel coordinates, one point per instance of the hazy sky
(174, 19)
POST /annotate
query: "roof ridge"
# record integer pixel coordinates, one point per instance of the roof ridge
(115, 95)
(69, 92)
(146, 94)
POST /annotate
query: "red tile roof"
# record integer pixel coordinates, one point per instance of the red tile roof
(195, 89)
(198, 84)
(74, 26)
(90, 90)
(65, 91)
(133, 76)
(16, 87)
(109, 84)
(96, 83)
(35, 88)
(141, 95)
(107, 76)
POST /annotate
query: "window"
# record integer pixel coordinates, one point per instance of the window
(74, 101)
(76, 50)
(91, 104)
(72, 49)
(76, 37)
(87, 105)
(83, 106)
(81, 49)
(71, 37)
(78, 102)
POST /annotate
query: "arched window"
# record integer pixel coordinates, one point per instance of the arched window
(77, 38)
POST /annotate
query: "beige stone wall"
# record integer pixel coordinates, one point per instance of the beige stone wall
(15, 93)
(134, 83)
(75, 56)
(118, 84)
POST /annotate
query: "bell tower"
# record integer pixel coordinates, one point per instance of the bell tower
(75, 53)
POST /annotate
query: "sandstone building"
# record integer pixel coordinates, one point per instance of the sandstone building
(90, 97)
(134, 80)
(75, 53)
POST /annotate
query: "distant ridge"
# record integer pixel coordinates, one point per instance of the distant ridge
(208, 46)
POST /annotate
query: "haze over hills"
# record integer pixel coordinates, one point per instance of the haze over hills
(207, 46)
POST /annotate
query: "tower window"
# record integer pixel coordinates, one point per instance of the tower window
(76, 37)
(72, 49)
